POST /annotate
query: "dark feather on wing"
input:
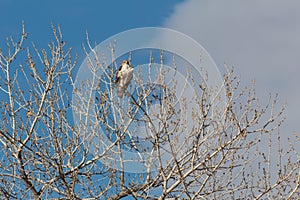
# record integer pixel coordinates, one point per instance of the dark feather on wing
(117, 74)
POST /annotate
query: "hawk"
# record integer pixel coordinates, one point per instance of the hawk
(123, 77)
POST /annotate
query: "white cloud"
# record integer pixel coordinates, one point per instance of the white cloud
(261, 38)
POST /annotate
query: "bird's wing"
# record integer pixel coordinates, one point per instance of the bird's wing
(129, 76)
(118, 74)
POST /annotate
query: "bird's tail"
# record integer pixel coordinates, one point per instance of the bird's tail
(120, 91)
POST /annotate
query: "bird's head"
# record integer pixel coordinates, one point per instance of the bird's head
(126, 64)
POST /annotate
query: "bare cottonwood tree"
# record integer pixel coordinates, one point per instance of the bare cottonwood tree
(143, 146)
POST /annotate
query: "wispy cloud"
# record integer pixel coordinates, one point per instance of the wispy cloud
(260, 38)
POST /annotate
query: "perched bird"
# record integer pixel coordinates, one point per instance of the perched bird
(123, 77)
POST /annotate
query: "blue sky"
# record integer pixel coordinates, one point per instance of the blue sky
(101, 19)
(260, 38)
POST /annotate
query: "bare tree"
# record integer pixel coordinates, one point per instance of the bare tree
(143, 146)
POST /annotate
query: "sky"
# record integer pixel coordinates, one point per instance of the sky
(260, 38)
(101, 19)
